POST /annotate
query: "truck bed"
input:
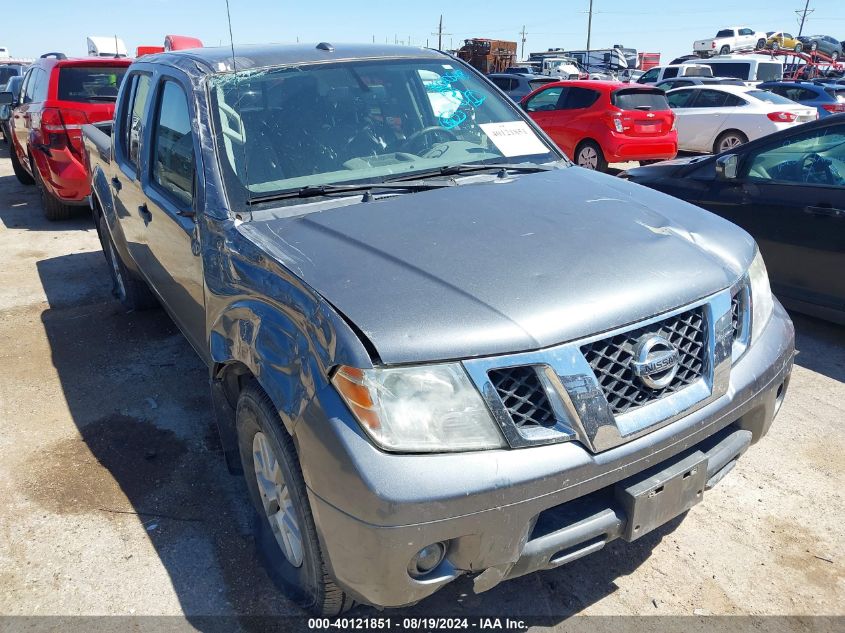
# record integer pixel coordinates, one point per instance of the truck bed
(97, 139)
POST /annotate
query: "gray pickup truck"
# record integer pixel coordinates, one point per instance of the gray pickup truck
(435, 346)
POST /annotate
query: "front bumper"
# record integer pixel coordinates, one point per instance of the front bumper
(510, 512)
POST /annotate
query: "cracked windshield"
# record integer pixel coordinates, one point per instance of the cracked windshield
(283, 129)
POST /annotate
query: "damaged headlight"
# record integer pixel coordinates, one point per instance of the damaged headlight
(762, 302)
(432, 408)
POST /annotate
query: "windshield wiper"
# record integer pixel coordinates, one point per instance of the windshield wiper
(315, 191)
(468, 168)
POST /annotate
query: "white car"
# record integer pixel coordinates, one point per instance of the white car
(735, 38)
(716, 118)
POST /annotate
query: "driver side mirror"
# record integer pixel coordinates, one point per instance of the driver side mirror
(727, 167)
(6, 98)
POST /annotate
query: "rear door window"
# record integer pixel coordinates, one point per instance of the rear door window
(725, 33)
(135, 114)
(680, 98)
(670, 72)
(638, 99)
(90, 84)
(502, 82)
(579, 98)
(173, 146)
(709, 99)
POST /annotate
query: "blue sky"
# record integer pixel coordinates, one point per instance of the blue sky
(653, 25)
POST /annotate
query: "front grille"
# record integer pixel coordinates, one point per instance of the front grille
(611, 359)
(523, 395)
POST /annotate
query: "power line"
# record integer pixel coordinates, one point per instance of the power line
(522, 34)
(440, 34)
(803, 15)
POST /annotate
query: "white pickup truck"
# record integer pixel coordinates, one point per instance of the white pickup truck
(736, 38)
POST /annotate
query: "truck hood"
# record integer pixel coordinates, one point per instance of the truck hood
(504, 265)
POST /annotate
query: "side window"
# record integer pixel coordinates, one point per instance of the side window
(25, 87)
(579, 98)
(135, 121)
(501, 82)
(670, 72)
(746, 32)
(39, 91)
(710, 99)
(173, 145)
(681, 98)
(544, 101)
(787, 36)
(733, 101)
(815, 157)
(650, 75)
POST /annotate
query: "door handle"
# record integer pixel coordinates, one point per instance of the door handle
(145, 214)
(825, 210)
(115, 183)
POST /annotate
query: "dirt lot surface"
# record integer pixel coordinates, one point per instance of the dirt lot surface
(115, 499)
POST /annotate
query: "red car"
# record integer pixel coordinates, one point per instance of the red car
(601, 122)
(58, 96)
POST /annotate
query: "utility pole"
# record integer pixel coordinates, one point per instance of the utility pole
(440, 34)
(522, 34)
(590, 28)
(803, 15)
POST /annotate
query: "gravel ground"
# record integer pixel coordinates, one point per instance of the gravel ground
(116, 501)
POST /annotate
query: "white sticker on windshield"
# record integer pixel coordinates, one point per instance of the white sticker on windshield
(514, 138)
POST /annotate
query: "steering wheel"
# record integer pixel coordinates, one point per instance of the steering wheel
(409, 143)
(817, 169)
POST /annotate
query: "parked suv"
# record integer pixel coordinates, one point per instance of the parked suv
(601, 122)
(58, 96)
(436, 348)
(826, 98)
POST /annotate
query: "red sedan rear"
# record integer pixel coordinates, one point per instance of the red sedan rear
(601, 122)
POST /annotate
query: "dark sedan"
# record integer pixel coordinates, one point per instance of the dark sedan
(516, 86)
(823, 44)
(786, 189)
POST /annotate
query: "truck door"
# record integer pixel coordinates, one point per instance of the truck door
(172, 252)
(125, 179)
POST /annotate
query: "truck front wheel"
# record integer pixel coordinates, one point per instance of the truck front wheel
(285, 535)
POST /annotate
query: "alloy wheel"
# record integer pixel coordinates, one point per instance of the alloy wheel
(588, 158)
(276, 499)
(729, 142)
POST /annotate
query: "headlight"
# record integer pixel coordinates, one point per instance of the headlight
(761, 296)
(432, 408)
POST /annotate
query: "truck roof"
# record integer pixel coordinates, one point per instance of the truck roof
(219, 58)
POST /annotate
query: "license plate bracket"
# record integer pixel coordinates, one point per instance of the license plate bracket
(658, 495)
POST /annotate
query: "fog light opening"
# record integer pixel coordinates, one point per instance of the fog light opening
(427, 559)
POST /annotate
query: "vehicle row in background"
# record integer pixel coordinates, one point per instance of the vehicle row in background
(788, 191)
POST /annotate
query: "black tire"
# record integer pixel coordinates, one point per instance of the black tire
(814, 46)
(23, 177)
(54, 209)
(761, 43)
(586, 161)
(775, 46)
(132, 291)
(725, 50)
(834, 55)
(724, 136)
(798, 47)
(308, 584)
